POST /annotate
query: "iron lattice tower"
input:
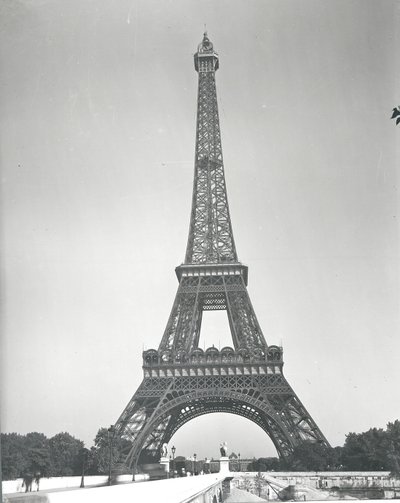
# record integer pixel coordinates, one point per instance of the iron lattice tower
(181, 381)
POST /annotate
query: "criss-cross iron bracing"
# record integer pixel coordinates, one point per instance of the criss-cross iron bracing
(181, 381)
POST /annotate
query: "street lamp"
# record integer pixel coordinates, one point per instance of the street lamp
(194, 459)
(110, 437)
(239, 462)
(173, 449)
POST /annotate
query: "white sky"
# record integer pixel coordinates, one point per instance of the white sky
(98, 103)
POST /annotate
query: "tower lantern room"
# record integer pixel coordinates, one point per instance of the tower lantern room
(206, 59)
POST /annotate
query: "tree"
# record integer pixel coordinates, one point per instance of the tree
(311, 456)
(13, 455)
(37, 454)
(83, 461)
(365, 451)
(396, 115)
(65, 455)
(265, 465)
(99, 456)
(392, 448)
(100, 453)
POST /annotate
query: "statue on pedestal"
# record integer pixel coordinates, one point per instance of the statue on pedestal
(223, 447)
(164, 451)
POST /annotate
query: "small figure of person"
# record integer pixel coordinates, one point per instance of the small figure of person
(37, 480)
(28, 479)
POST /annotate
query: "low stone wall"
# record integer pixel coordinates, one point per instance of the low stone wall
(319, 485)
(329, 480)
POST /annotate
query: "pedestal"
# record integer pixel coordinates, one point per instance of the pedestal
(224, 464)
(164, 461)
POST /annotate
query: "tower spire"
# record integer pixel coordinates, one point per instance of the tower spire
(210, 238)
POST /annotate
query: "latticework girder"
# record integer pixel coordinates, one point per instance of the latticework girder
(255, 389)
(181, 381)
(211, 292)
(210, 233)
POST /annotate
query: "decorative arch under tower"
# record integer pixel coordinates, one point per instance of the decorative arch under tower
(181, 381)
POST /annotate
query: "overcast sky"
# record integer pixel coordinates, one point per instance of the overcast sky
(98, 110)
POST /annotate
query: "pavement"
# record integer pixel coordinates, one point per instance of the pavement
(165, 491)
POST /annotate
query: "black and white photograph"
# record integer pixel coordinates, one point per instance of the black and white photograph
(200, 270)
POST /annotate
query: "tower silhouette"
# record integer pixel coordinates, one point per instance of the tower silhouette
(181, 381)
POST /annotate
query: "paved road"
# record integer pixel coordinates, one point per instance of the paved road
(159, 491)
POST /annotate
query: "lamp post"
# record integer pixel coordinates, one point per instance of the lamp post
(239, 462)
(173, 449)
(194, 462)
(110, 437)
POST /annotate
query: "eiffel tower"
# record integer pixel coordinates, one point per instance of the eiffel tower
(181, 381)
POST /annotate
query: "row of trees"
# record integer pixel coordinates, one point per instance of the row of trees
(374, 450)
(63, 455)
(35, 453)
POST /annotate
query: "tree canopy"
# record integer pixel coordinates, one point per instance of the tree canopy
(63, 455)
(375, 449)
(65, 452)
